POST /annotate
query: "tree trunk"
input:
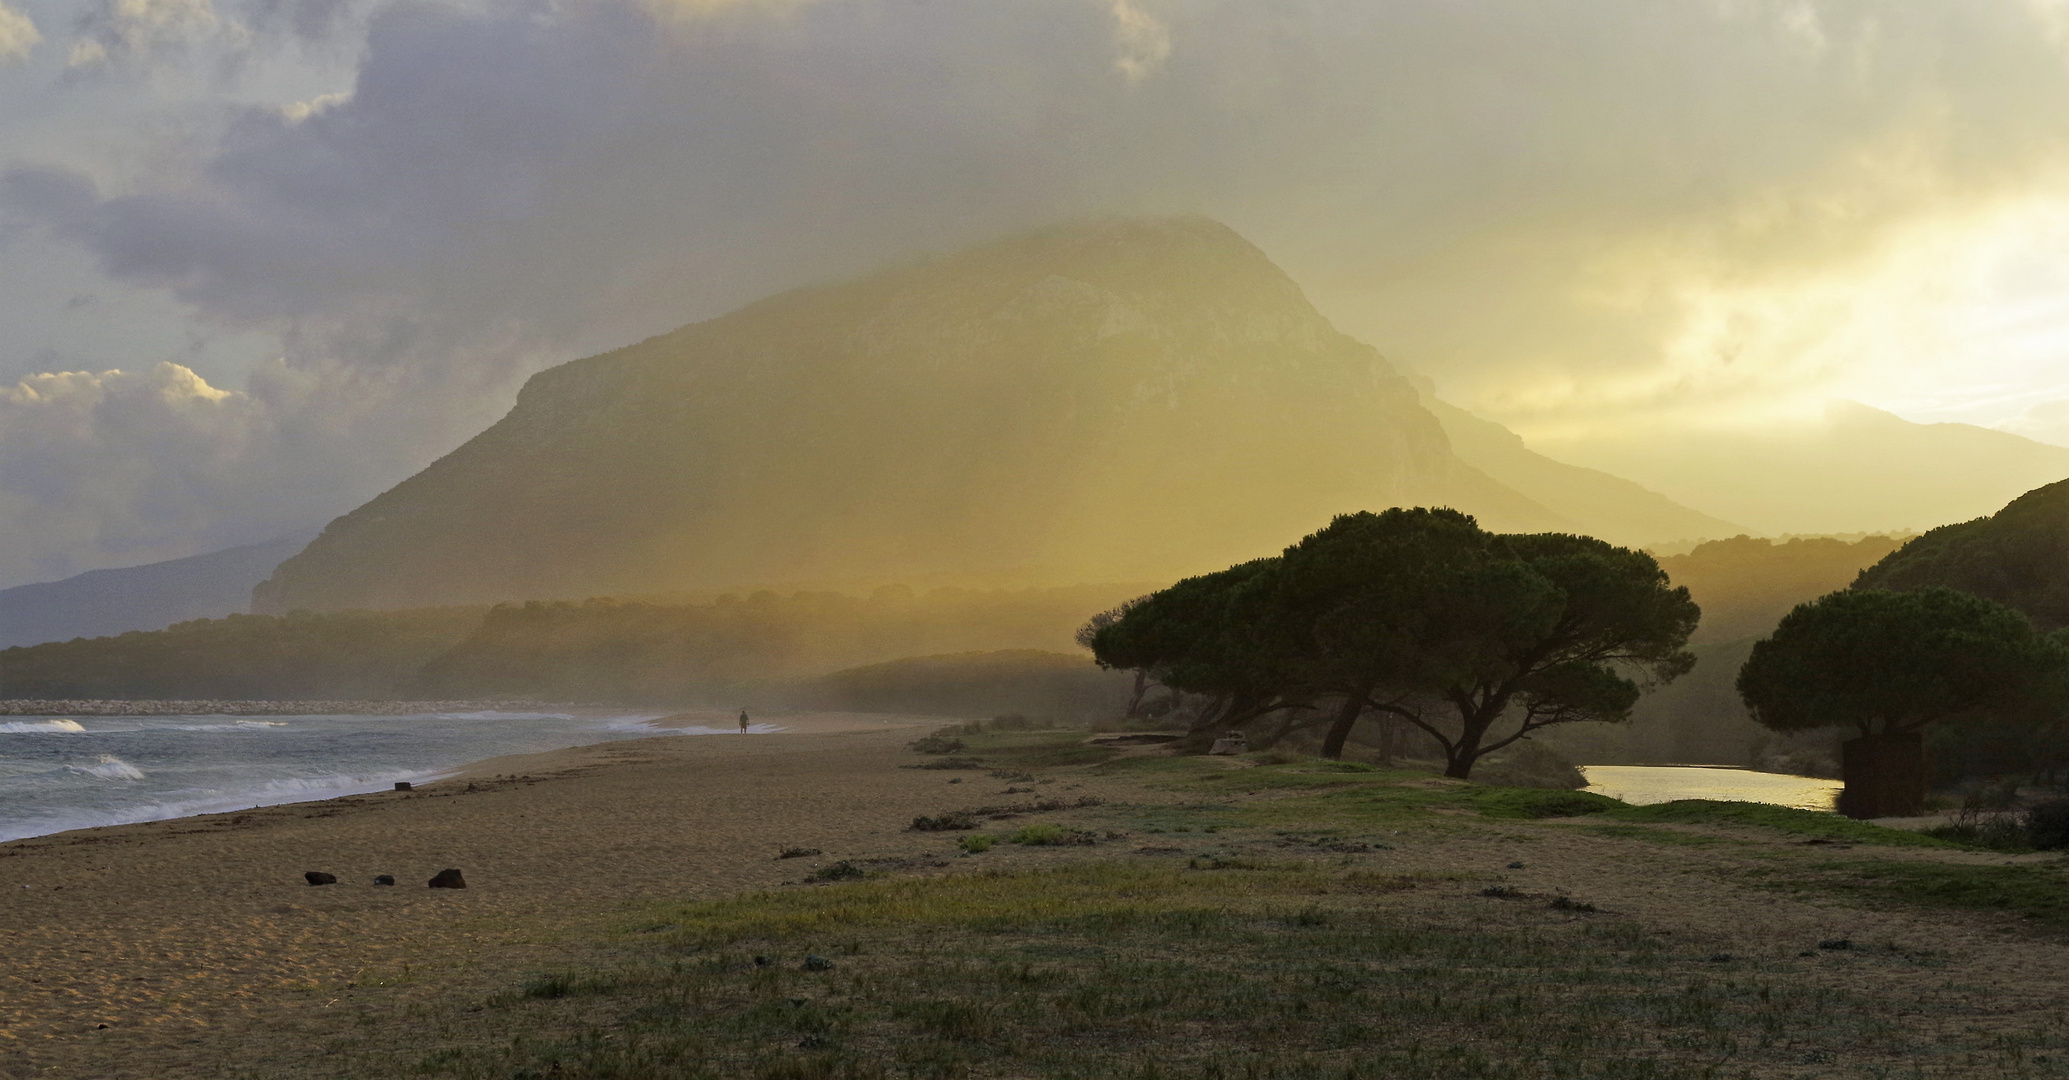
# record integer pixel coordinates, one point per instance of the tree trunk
(1885, 776)
(1141, 688)
(1346, 719)
(1459, 759)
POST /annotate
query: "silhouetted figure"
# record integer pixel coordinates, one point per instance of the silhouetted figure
(743, 721)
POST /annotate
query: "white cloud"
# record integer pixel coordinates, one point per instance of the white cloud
(1141, 40)
(18, 34)
(123, 28)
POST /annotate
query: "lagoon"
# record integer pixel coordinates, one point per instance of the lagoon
(1643, 785)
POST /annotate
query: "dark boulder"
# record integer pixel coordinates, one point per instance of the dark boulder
(384, 879)
(448, 879)
(318, 877)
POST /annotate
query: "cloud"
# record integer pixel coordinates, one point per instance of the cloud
(1568, 211)
(2046, 422)
(114, 29)
(1142, 41)
(132, 465)
(18, 34)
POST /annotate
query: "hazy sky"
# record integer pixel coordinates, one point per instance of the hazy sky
(260, 259)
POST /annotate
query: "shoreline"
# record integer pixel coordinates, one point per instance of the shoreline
(636, 726)
(152, 949)
(219, 707)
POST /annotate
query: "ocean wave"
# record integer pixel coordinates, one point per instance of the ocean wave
(109, 767)
(241, 725)
(491, 714)
(40, 727)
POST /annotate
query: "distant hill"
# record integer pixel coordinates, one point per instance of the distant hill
(1131, 400)
(1860, 470)
(341, 655)
(1040, 685)
(2018, 556)
(150, 597)
(1599, 504)
(1745, 584)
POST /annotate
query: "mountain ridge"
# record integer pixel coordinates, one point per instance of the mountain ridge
(1123, 400)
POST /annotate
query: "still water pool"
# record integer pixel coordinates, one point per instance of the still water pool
(1643, 785)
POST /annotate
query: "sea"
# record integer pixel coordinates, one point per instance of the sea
(59, 773)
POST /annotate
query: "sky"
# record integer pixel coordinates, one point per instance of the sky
(262, 259)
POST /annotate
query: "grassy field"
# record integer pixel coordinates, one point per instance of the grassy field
(1253, 928)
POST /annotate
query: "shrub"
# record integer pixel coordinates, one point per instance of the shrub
(1052, 834)
(951, 821)
(976, 843)
(840, 871)
(2047, 825)
(935, 744)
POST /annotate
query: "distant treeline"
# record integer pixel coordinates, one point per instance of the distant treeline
(1744, 586)
(302, 656)
(763, 648)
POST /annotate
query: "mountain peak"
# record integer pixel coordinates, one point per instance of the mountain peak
(1117, 400)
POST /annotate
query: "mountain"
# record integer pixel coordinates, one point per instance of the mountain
(1121, 401)
(1612, 508)
(1857, 470)
(1745, 585)
(2018, 556)
(99, 603)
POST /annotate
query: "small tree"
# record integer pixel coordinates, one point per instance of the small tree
(1888, 664)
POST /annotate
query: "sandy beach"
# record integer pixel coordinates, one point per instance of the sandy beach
(196, 941)
(193, 947)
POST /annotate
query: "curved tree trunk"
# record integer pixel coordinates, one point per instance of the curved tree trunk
(1346, 719)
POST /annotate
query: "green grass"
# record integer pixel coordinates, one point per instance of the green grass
(1812, 824)
(1273, 971)
(2038, 896)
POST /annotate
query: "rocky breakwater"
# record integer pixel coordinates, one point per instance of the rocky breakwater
(91, 707)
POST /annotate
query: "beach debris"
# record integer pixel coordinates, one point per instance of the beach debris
(384, 879)
(448, 879)
(840, 871)
(1567, 903)
(1515, 866)
(1500, 891)
(402, 785)
(798, 853)
(318, 877)
(818, 963)
(948, 822)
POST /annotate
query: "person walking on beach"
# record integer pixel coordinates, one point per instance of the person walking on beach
(743, 721)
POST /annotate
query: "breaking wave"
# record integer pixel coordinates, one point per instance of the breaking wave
(109, 767)
(40, 727)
